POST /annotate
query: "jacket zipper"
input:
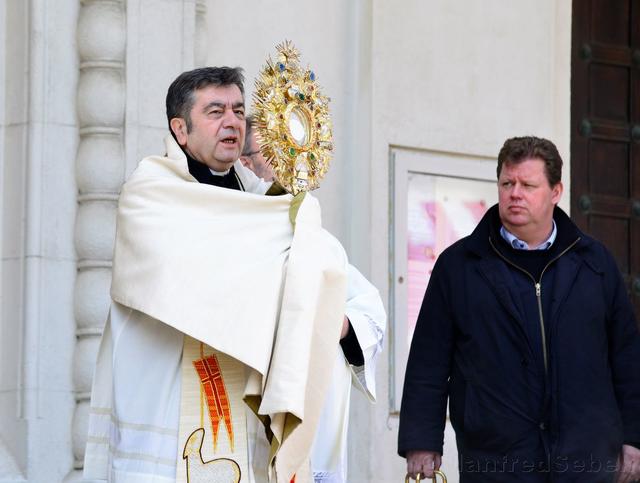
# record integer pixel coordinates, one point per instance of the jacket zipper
(538, 288)
(543, 332)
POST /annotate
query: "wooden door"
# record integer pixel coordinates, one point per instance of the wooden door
(605, 135)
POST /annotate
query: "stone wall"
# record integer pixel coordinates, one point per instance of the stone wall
(38, 140)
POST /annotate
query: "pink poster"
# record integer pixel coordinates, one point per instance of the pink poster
(433, 226)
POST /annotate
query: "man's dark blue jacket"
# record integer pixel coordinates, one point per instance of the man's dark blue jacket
(475, 343)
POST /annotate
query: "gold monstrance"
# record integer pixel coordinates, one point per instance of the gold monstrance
(292, 121)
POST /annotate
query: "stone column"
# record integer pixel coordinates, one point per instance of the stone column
(100, 168)
(201, 35)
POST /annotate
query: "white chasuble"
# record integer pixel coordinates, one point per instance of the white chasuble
(227, 269)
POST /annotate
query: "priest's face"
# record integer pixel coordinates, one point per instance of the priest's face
(217, 128)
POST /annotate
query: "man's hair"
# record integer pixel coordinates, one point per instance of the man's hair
(246, 149)
(180, 95)
(519, 149)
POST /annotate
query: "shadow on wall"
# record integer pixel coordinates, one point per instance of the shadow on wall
(8, 468)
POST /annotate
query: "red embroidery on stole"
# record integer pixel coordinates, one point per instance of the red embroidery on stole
(217, 400)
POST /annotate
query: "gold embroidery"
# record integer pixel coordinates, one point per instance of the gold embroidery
(220, 470)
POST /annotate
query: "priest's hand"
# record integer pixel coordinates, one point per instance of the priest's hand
(628, 464)
(345, 327)
(423, 462)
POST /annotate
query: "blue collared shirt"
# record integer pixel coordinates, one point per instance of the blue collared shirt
(518, 244)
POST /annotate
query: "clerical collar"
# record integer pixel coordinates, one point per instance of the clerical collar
(204, 175)
(219, 173)
(518, 244)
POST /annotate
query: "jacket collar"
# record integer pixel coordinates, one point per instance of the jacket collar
(489, 227)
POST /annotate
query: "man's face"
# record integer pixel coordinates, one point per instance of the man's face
(255, 161)
(217, 127)
(526, 200)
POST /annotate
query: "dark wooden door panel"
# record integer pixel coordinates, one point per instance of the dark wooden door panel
(609, 168)
(605, 135)
(609, 20)
(604, 79)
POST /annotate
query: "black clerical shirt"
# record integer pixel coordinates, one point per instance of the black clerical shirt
(203, 174)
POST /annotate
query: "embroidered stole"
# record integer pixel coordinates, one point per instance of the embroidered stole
(212, 444)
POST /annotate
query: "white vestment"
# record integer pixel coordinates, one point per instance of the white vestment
(368, 318)
(135, 438)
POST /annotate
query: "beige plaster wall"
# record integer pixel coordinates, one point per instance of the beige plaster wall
(328, 35)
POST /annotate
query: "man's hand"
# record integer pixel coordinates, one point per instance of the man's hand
(423, 462)
(628, 464)
(345, 328)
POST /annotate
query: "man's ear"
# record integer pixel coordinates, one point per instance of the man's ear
(556, 192)
(246, 162)
(179, 128)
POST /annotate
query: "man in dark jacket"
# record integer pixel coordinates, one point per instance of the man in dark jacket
(527, 329)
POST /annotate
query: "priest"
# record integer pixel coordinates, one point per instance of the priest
(185, 348)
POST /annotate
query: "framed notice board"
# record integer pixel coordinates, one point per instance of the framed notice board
(436, 198)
